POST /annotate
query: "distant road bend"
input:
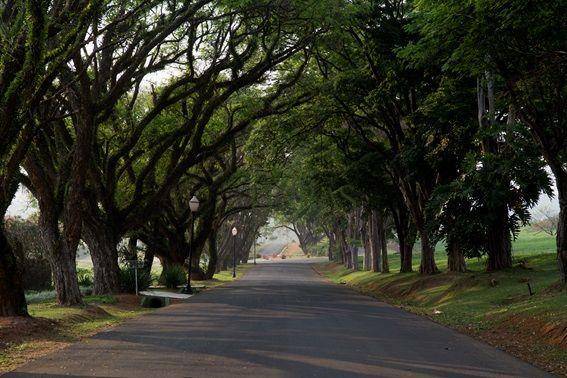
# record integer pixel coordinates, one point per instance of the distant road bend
(281, 320)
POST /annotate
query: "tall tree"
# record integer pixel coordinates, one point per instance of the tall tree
(521, 45)
(38, 38)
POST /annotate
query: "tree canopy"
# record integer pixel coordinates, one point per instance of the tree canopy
(349, 122)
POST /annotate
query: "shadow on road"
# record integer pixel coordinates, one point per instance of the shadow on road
(282, 320)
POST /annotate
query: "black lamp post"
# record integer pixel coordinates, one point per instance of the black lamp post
(234, 232)
(194, 207)
(254, 252)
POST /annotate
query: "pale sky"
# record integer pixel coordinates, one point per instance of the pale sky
(22, 207)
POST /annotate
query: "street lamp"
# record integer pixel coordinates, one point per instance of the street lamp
(194, 207)
(234, 232)
(254, 245)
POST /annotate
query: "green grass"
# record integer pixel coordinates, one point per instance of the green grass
(528, 243)
(476, 301)
(226, 276)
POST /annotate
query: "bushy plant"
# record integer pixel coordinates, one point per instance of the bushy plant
(320, 249)
(29, 245)
(127, 278)
(173, 276)
(85, 277)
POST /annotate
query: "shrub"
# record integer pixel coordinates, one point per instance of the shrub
(173, 276)
(85, 277)
(29, 246)
(320, 249)
(127, 279)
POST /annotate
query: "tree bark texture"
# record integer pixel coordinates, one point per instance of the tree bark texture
(381, 227)
(62, 259)
(455, 258)
(104, 254)
(499, 244)
(12, 298)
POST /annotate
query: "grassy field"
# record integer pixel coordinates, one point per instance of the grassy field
(53, 327)
(495, 307)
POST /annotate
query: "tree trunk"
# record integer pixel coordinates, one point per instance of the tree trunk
(12, 298)
(406, 242)
(354, 257)
(455, 258)
(341, 249)
(367, 250)
(562, 229)
(383, 244)
(213, 256)
(132, 251)
(331, 246)
(375, 251)
(148, 259)
(499, 246)
(102, 247)
(62, 259)
(427, 265)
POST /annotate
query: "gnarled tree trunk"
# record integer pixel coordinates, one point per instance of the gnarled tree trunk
(12, 298)
(499, 245)
(406, 243)
(381, 228)
(455, 258)
(213, 256)
(62, 259)
(427, 265)
(562, 229)
(148, 259)
(104, 254)
(375, 245)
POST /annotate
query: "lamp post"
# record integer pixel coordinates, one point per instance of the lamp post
(254, 249)
(194, 207)
(234, 232)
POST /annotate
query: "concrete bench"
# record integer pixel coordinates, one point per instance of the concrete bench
(157, 299)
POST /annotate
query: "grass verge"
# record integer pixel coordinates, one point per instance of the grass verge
(225, 276)
(494, 307)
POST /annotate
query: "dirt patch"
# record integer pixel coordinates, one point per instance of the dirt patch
(527, 338)
(23, 339)
(127, 301)
(291, 250)
(553, 333)
(18, 328)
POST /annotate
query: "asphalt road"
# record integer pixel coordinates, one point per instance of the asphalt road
(281, 320)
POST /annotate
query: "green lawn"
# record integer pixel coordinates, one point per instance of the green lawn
(482, 303)
(528, 243)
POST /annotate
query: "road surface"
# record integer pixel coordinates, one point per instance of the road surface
(281, 320)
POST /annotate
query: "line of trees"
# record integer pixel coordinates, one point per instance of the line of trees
(359, 121)
(433, 120)
(113, 114)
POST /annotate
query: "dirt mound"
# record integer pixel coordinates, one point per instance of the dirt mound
(291, 250)
(127, 300)
(18, 328)
(523, 336)
(553, 333)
